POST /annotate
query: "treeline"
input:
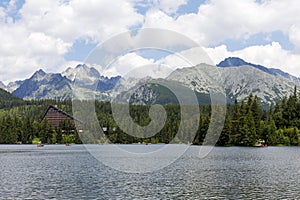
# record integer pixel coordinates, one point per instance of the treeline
(22, 124)
(246, 124)
(170, 133)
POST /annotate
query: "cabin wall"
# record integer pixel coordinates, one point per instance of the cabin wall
(55, 117)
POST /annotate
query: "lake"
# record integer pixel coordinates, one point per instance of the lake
(61, 172)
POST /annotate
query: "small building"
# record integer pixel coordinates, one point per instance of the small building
(55, 116)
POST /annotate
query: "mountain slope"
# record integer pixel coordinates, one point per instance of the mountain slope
(7, 99)
(90, 78)
(233, 75)
(150, 94)
(238, 82)
(236, 62)
(44, 86)
(6, 96)
(12, 86)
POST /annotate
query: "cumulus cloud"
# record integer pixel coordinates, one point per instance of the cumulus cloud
(133, 64)
(294, 34)
(2, 13)
(23, 51)
(271, 56)
(70, 20)
(45, 31)
(186, 58)
(171, 6)
(218, 20)
(126, 63)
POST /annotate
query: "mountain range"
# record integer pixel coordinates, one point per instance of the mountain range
(42, 85)
(237, 77)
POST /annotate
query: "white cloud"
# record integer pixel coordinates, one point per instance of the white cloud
(45, 31)
(294, 34)
(186, 58)
(218, 54)
(96, 19)
(2, 14)
(22, 52)
(46, 44)
(271, 56)
(218, 20)
(132, 64)
(171, 6)
(126, 63)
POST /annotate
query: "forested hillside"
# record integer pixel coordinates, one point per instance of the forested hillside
(246, 123)
(8, 100)
(22, 123)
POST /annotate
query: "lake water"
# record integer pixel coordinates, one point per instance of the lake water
(61, 172)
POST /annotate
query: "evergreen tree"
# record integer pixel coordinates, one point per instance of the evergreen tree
(226, 132)
(235, 135)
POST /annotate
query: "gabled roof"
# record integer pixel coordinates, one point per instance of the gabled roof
(58, 110)
(62, 112)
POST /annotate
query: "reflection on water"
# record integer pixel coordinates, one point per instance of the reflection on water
(226, 173)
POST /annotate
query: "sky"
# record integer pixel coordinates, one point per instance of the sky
(55, 34)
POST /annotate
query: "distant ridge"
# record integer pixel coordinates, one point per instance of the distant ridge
(42, 85)
(238, 77)
(236, 62)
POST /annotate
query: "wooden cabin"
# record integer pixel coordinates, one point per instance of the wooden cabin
(55, 116)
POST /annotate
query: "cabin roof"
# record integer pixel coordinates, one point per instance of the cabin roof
(57, 109)
(60, 111)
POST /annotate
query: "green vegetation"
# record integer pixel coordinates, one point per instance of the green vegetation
(246, 123)
(8, 100)
(22, 124)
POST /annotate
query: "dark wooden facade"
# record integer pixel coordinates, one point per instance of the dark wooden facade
(55, 116)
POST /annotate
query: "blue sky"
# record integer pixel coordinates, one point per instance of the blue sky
(80, 49)
(56, 34)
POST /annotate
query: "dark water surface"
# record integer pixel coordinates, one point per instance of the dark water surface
(61, 172)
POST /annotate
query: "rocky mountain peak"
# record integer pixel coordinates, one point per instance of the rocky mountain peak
(40, 72)
(81, 70)
(233, 61)
(38, 75)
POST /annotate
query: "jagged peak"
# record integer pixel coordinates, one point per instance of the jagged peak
(39, 73)
(81, 66)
